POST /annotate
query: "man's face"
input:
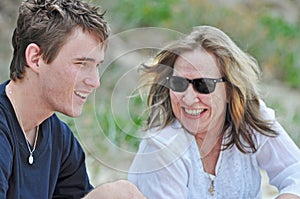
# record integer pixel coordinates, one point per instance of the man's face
(73, 75)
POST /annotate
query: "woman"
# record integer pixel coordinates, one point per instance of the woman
(208, 131)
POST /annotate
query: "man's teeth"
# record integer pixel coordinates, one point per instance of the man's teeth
(82, 95)
(194, 112)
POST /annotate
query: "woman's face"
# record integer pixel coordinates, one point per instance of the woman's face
(199, 113)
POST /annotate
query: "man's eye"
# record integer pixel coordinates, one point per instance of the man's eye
(81, 63)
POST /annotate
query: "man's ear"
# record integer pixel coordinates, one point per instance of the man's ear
(32, 55)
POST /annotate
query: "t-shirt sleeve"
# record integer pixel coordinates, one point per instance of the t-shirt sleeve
(73, 180)
(5, 162)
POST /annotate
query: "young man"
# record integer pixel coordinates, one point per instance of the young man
(58, 45)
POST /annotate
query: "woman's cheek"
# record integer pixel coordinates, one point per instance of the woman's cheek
(175, 103)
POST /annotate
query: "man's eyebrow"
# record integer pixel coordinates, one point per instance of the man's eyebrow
(87, 59)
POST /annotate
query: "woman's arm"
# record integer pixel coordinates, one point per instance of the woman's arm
(280, 157)
(159, 169)
(166, 183)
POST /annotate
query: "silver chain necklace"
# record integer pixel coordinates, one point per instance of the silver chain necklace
(211, 177)
(30, 158)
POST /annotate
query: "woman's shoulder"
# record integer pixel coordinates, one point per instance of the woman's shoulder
(161, 147)
(165, 134)
(163, 137)
(267, 112)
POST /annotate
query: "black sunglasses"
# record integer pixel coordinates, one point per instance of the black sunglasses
(201, 85)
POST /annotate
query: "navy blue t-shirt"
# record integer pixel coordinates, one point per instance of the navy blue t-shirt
(58, 170)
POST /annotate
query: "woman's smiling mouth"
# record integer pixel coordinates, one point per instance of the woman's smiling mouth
(194, 112)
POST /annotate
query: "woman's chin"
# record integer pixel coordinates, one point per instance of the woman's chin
(193, 130)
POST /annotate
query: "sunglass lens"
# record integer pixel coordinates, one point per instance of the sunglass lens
(204, 86)
(178, 84)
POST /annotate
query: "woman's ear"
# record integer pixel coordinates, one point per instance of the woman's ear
(32, 55)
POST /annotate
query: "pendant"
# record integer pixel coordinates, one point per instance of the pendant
(30, 159)
(211, 189)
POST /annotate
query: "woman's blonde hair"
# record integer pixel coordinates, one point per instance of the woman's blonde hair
(240, 70)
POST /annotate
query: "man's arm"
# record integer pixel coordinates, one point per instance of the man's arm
(120, 189)
(288, 196)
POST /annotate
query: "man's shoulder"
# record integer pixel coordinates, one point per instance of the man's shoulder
(4, 102)
(57, 123)
(58, 129)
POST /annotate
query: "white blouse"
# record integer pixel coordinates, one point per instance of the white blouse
(168, 165)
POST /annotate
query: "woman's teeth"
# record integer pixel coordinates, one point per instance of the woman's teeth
(194, 112)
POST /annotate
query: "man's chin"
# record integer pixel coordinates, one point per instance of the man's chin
(74, 113)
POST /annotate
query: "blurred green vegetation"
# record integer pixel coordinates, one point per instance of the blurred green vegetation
(258, 27)
(271, 39)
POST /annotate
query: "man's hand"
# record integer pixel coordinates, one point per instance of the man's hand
(288, 196)
(120, 189)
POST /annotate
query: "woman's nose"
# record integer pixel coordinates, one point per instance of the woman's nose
(190, 95)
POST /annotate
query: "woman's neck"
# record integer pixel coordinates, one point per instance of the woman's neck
(209, 149)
